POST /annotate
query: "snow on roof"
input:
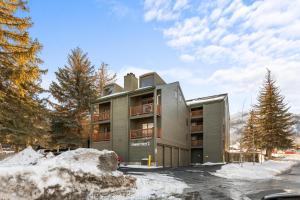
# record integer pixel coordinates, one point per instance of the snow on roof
(206, 99)
(122, 93)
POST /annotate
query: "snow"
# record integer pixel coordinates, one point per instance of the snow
(140, 166)
(33, 174)
(78, 173)
(213, 164)
(150, 185)
(267, 170)
(205, 100)
(25, 157)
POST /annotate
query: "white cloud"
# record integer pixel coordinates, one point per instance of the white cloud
(187, 58)
(164, 10)
(241, 40)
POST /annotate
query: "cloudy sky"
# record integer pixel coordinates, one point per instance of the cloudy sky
(211, 47)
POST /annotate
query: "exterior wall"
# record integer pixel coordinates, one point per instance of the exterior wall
(227, 124)
(139, 152)
(174, 116)
(102, 145)
(174, 126)
(213, 146)
(120, 126)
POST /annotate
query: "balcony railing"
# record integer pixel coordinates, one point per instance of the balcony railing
(141, 133)
(144, 109)
(197, 143)
(197, 113)
(102, 136)
(102, 116)
(196, 128)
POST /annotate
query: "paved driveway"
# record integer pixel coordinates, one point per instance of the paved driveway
(205, 186)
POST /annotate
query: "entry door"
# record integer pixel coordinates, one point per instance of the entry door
(197, 156)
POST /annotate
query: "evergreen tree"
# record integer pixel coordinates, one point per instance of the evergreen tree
(251, 138)
(21, 111)
(73, 91)
(275, 121)
(103, 78)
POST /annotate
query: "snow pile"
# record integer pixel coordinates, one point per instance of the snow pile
(213, 164)
(154, 186)
(26, 157)
(266, 170)
(78, 174)
(292, 157)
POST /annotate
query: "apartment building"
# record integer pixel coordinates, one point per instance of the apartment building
(151, 117)
(209, 128)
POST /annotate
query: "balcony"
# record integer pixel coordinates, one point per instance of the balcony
(144, 109)
(196, 128)
(197, 143)
(141, 133)
(102, 116)
(197, 113)
(103, 136)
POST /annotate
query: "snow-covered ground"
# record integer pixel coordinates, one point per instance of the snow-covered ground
(266, 170)
(140, 166)
(82, 173)
(152, 185)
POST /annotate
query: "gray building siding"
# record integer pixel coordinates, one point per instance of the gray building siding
(212, 132)
(174, 116)
(120, 126)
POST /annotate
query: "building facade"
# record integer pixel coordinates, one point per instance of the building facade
(209, 128)
(149, 117)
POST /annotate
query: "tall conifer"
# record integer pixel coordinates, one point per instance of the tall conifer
(74, 89)
(275, 121)
(251, 139)
(21, 110)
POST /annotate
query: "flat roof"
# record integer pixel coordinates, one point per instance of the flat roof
(207, 99)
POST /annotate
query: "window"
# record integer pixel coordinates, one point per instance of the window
(147, 125)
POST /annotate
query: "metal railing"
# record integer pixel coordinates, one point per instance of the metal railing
(102, 116)
(197, 143)
(144, 109)
(197, 113)
(197, 128)
(141, 133)
(102, 136)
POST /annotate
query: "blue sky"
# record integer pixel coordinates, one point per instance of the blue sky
(211, 47)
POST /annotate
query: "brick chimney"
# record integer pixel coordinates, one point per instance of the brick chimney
(130, 82)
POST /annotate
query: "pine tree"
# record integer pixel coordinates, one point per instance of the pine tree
(250, 139)
(275, 121)
(21, 111)
(103, 78)
(73, 91)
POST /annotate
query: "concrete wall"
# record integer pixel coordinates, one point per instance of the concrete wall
(120, 126)
(213, 116)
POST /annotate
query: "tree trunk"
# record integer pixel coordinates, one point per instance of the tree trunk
(269, 153)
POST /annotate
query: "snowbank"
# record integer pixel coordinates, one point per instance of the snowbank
(26, 157)
(266, 170)
(140, 166)
(213, 164)
(154, 186)
(78, 174)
